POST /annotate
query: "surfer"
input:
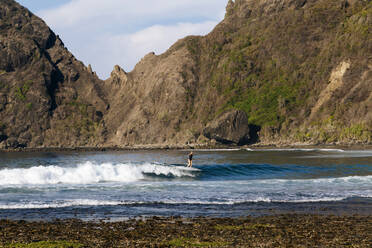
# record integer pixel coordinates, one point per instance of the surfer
(189, 164)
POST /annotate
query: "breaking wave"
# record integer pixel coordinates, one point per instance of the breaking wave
(90, 202)
(90, 173)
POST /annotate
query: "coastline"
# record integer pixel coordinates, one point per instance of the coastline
(191, 147)
(286, 230)
(345, 223)
(303, 224)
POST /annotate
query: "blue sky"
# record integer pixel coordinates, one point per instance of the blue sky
(104, 33)
(37, 5)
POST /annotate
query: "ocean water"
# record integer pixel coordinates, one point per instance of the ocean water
(117, 185)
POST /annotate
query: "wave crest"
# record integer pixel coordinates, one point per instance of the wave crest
(89, 173)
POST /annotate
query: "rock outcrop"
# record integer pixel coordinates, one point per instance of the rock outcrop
(272, 59)
(229, 128)
(47, 97)
(147, 106)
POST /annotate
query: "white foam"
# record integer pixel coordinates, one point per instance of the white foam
(89, 202)
(350, 179)
(297, 150)
(215, 150)
(184, 168)
(88, 173)
(344, 181)
(65, 203)
(331, 150)
(221, 202)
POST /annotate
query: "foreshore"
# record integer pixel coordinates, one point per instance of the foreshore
(287, 230)
(311, 224)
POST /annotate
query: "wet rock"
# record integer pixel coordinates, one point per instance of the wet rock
(277, 231)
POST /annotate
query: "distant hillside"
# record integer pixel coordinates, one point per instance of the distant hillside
(300, 70)
(273, 71)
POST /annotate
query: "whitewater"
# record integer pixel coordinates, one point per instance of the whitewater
(228, 182)
(88, 173)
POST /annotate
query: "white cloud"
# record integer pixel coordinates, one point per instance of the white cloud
(127, 49)
(109, 32)
(126, 12)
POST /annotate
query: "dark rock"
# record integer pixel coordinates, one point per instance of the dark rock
(229, 128)
(3, 137)
(11, 143)
(43, 87)
(300, 3)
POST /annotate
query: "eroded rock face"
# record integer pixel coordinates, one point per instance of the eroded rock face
(267, 58)
(229, 128)
(47, 97)
(148, 105)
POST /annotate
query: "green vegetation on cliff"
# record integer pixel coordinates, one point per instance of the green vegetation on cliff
(300, 70)
(275, 65)
(21, 91)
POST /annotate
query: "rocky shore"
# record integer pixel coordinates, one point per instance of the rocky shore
(265, 231)
(190, 146)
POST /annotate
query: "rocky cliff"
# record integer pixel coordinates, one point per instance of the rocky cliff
(299, 69)
(273, 71)
(47, 97)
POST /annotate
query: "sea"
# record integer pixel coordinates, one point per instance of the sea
(119, 185)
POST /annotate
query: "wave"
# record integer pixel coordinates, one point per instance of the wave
(330, 180)
(269, 149)
(238, 202)
(94, 173)
(215, 150)
(297, 150)
(90, 173)
(258, 171)
(247, 171)
(97, 203)
(62, 204)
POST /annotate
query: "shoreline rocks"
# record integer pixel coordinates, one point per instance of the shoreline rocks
(288, 230)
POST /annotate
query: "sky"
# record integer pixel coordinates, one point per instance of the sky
(105, 33)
